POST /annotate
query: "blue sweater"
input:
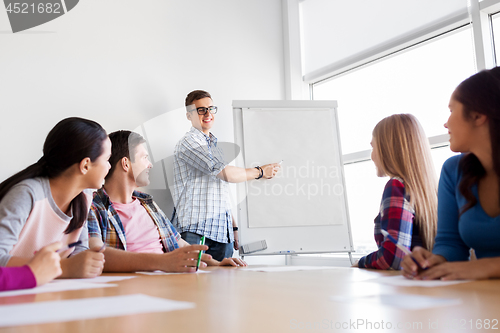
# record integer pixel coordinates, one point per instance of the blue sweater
(473, 229)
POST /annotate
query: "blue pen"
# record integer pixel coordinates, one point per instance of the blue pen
(69, 246)
(401, 247)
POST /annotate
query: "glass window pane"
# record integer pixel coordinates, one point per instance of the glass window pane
(364, 192)
(419, 80)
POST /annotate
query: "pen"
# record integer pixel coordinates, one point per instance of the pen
(101, 250)
(401, 247)
(202, 242)
(69, 246)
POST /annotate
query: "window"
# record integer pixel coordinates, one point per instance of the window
(418, 80)
(495, 20)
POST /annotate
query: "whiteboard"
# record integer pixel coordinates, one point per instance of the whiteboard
(304, 208)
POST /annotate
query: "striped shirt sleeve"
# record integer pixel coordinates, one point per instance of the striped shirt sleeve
(201, 157)
(94, 229)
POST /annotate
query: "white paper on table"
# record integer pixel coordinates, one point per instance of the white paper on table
(55, 286)
(99, 279)
(85, 308)
(401, 281)
(166, 273)
(285, 268)
(400, 301)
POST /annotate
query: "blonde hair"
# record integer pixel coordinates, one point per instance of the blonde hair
(403, 151)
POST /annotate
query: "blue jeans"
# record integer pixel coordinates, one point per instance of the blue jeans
(217, 250)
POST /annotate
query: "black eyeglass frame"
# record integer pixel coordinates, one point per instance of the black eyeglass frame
(202, 110)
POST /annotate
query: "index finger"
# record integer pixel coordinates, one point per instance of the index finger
(53, 247)
(195, 247)
(192, 259)
(409, 266)
(420, 256)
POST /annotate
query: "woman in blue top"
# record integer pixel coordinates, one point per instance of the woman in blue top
(469, 188)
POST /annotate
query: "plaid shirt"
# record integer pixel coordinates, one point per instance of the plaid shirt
(201, 199)
(396, 217)
(103, 221)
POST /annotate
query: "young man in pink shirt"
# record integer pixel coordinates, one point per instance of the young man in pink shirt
(137, 234)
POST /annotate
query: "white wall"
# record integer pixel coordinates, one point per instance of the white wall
(123, 62)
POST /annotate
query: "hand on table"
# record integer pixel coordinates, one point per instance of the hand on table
(424, 258)
(232, 262)
(184, 259)
(86, 264)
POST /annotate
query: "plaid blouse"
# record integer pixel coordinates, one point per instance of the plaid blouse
(103, 221)
(396, 217)
(201, 200)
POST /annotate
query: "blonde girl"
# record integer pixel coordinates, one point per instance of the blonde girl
(408, 211)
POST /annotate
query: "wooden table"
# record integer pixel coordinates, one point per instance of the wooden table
(231, 300)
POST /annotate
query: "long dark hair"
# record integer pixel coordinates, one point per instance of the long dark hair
(69, 142)
(480, 93)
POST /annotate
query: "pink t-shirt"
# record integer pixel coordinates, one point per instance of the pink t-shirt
(33, 220)
(141, 232)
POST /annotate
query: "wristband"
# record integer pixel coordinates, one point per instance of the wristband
(261, 172)
(235, 228)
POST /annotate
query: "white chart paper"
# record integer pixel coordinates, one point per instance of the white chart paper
(86, 308)
(55, 286)
(285, 268)
(308, 190)
(400, 301)
(99, 279)
(165, 273)
(401, 281)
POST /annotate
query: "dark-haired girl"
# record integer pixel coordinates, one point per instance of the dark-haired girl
(49, 201)
(469, 188)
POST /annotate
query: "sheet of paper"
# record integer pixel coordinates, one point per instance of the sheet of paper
(285, 268)
(99, 279)
(86, 308)
(165, 273)
(401, 281)
(400, 301)
(55, 286)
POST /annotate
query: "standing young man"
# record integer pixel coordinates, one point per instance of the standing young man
(201, 176)
(137, 234)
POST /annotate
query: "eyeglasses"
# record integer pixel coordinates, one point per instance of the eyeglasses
(202, 111)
